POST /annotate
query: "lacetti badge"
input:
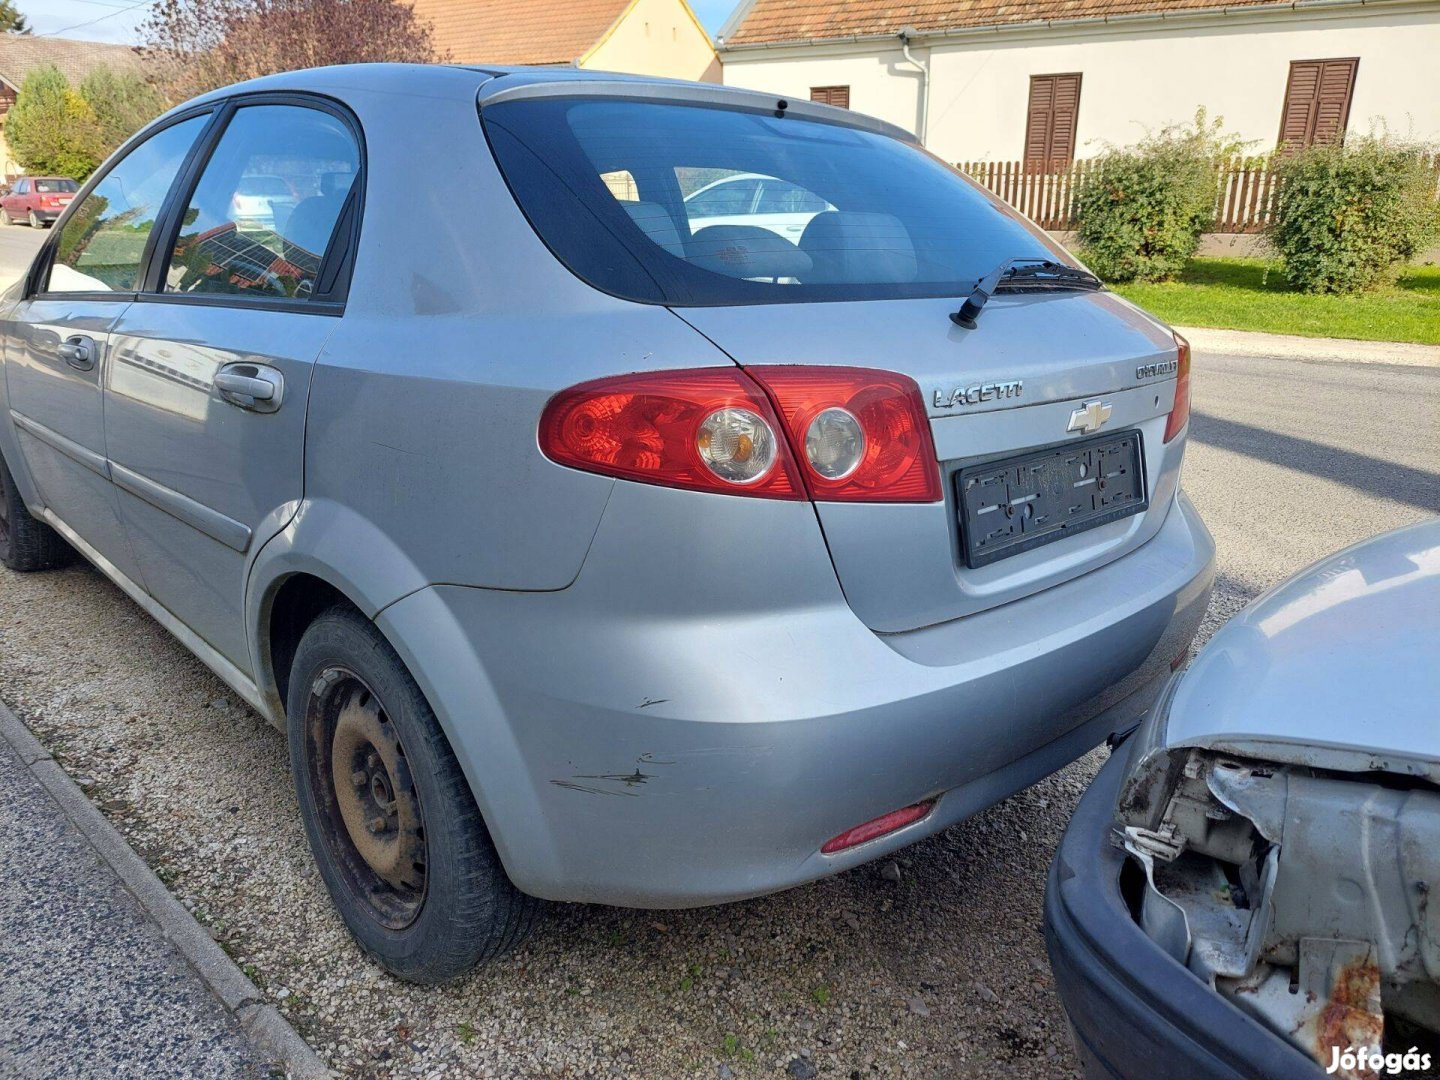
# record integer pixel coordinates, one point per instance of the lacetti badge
(980, 392)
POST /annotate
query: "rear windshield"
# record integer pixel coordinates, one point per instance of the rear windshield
(53, 186)
(697, 205)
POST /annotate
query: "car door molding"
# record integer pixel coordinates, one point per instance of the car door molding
(233, 534)
(96, 463)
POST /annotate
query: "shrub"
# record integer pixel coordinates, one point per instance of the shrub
(1346, 218)
(1141, 211)
(51, 129)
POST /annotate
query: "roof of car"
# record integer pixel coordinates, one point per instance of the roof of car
(497, 82)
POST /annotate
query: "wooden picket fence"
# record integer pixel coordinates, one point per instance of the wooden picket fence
(1045, 191)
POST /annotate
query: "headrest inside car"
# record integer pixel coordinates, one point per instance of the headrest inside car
(656, 223)
(851, 247)
(747, 251)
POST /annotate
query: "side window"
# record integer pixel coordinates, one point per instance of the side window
(724, 198)
(22, 187)
(782, 197)
(103, 242)
(266, 205)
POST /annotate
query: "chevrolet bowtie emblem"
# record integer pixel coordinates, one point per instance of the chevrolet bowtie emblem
(1089, 417)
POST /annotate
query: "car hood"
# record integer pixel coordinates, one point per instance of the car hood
(1336, 668)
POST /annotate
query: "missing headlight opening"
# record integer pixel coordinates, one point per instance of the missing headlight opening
(1301, 895)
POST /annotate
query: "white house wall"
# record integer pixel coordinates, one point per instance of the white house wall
(1136, 75)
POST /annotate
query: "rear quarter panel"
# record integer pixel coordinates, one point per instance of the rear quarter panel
(422, 464)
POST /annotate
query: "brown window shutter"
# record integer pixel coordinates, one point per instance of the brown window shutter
(1051, 118)
(831, 95)
(1317, 101)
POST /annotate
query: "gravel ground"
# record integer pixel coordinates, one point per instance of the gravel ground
(931, 967)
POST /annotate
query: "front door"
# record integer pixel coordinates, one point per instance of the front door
(206, 396)
(58, 339)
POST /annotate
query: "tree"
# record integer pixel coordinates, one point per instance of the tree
(203, 44)
(52, 129)
(11, 20)
(122, 101)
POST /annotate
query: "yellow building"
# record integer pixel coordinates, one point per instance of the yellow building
(640, 37)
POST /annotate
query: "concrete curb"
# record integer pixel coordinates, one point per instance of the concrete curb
(267, 1029)
(1322, 350)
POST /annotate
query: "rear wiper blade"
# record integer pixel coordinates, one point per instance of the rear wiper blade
(1049, 275)
(1022, 272)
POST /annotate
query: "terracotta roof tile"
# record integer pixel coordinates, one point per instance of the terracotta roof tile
(21, 54)
(518, 31)
(808, 20)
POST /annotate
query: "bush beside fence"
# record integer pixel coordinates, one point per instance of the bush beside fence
(1045, 191)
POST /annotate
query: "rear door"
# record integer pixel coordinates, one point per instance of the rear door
(58, 339)
(205, 404)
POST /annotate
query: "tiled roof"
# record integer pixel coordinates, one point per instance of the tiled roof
(769, 21)
(20, 54)
(518, 31)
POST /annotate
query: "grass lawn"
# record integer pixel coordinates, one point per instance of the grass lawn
(1236, 294)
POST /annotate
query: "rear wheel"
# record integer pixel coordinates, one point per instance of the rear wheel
(388, 812)
(25, 542)
(35, 222)
(5, 218)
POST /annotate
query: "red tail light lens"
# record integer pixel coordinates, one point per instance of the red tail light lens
(706, 429)
(859, 435)
(872, 830)
(1180, 411)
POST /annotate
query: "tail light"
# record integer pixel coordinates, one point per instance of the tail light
(859, 435)
(1180, 411)
(707, 429)
(834, 433)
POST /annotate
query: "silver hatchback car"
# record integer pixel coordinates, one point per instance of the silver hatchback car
(587, 553)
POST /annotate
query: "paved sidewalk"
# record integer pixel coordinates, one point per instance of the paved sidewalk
(90, 983)
(1323, 350)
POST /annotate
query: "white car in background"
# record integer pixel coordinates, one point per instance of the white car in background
(263, 202)
(755, 199)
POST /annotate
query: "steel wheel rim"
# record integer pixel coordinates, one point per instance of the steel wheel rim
(368, 808)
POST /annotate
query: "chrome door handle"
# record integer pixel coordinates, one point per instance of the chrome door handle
(78, 352)
(251, 386)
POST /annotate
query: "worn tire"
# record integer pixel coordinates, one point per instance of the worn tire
(35, 222)
(26, 543)
(5, 218)
(468, 911)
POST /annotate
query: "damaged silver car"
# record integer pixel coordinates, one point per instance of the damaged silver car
(1248, 883)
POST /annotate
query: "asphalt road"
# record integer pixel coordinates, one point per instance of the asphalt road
(89, 986)
(939, 974)
(18, 244)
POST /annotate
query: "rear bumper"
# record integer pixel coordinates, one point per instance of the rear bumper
(1136, 1013)
(628, 751)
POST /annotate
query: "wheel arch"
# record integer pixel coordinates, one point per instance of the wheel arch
(326, 554)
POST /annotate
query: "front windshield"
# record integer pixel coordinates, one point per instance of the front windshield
(701, 205)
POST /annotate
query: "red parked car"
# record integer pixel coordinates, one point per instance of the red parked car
(37, 200)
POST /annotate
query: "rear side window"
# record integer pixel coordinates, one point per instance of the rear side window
(729, 206)
(266, 205)
(103, 242)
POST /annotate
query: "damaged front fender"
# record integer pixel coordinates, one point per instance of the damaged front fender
(1300, 894)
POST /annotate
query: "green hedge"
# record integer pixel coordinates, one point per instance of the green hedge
(1140, 214)
(1347, 218)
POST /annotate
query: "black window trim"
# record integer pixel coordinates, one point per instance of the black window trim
(336, 266)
